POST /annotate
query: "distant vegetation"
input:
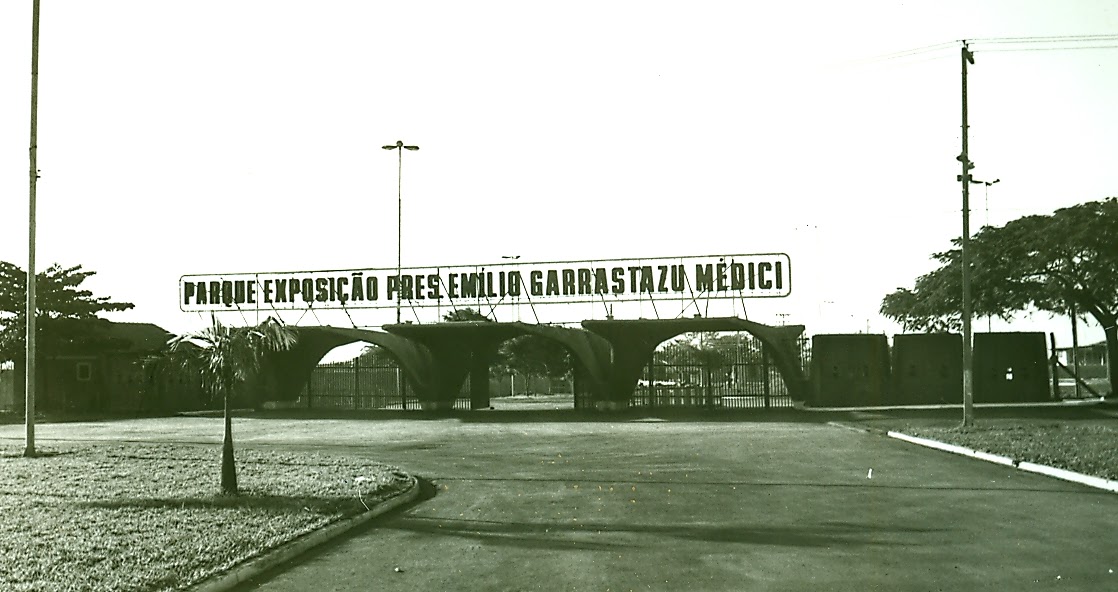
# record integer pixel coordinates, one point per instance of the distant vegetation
(1058, 263)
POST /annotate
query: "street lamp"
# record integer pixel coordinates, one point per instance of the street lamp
(399, 216)
(986, 202)
(986, 197)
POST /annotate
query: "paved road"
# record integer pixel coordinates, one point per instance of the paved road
(684, 506)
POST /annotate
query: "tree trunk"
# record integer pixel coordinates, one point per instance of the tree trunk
(228, 465)
(1111, 331)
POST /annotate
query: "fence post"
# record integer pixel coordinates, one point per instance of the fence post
(310, 381)
(765, 386)
(401, 388)
(708, 387)
(1055, 376)
(356, 382)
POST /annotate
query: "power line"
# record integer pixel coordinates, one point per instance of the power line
(1048, 39)
(1047, 49)
(1045, 43)
(915, 51)
(1092, 40)
(897, 55)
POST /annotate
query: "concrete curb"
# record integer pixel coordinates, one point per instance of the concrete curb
(251, 568)
(1088, 480)
(839, 424)
(1065, 404)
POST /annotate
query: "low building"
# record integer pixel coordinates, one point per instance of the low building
(118, 369)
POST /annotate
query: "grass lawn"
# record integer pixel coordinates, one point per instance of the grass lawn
(150, 516)
(1080, 440)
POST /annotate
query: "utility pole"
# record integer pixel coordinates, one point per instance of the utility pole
(29, 379)
(964, 158)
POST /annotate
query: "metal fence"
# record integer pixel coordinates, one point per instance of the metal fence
(733, 373)
(728, 373)
(361, 385)
(1083, 382)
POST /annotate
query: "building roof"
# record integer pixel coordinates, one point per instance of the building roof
(137, 337)
(107, 337)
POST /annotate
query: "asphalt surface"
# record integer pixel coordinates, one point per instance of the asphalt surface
(653, 505)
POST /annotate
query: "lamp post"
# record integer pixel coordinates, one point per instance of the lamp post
(986, 203)
(399, 146)
(986, 197)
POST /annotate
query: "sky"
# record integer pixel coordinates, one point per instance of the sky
(245, 136)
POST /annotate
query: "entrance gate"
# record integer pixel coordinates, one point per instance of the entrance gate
(608, 360)
(729, 371)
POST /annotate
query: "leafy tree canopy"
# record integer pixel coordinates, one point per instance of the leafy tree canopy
(710, 349)
(533, 354)
(1049, 263)
(66, 313)
(465, 315)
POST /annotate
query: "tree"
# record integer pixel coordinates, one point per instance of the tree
(1051, 263)
(462, 315)
(529, 354)
(66, 313)
(225, 358)
(535, 355)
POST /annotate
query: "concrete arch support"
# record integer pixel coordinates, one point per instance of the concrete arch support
(591, 355)
(287, 372)
(634, 343)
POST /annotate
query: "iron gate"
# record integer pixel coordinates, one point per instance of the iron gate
(714, 370)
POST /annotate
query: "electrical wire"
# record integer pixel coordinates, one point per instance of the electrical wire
(1044, 43)
(899, 55)
(1092, 42)
(1047, 49)
(1047, 39)
(914, 51)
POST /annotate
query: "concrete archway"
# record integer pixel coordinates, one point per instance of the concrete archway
(634, 342)
(437, 358)
(467, 348)
(287, 372)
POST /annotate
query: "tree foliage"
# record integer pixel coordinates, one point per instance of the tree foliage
(225, 358)
(535, 355)
(529, 354)
(66, 313)
(1050, 263)
(465, 315)
(713, 350)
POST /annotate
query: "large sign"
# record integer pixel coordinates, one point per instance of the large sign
(765, 275)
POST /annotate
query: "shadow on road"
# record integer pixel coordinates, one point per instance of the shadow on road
(580, 536)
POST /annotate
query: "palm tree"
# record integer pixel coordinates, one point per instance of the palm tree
(225, 358)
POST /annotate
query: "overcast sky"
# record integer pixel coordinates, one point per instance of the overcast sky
(238, 136)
